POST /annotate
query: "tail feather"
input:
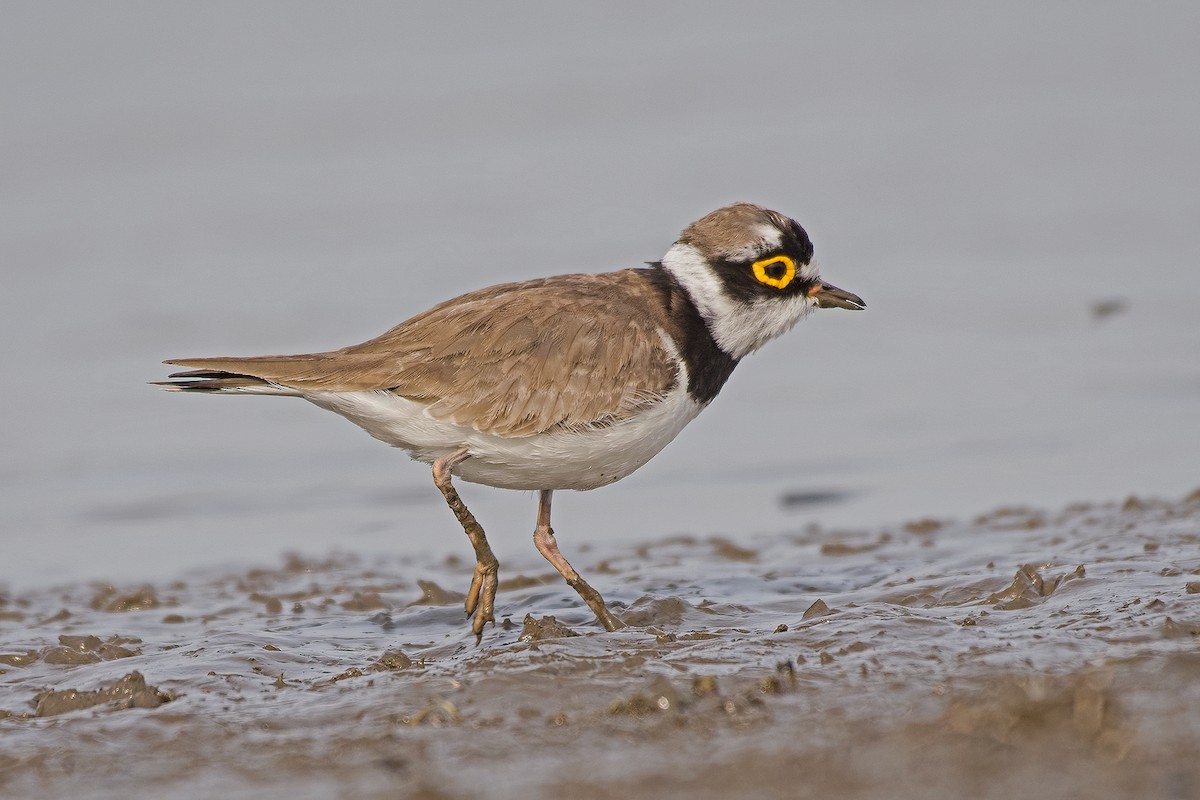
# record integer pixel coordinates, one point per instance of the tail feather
(220, 382)
(338, 370)
(207, 373)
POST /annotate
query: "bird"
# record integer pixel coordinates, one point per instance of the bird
(566, 382)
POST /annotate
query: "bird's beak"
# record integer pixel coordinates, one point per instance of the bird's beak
(832, 297)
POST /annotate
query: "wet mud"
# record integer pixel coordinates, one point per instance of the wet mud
(1024, 649)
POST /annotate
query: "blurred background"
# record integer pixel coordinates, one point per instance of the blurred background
(1011, 188)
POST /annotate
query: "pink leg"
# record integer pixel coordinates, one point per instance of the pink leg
(481, 597)
(543, 538)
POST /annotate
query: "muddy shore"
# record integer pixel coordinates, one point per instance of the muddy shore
(1024, 648)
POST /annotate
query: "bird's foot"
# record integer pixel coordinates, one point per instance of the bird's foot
(481, 598)
(609, 620)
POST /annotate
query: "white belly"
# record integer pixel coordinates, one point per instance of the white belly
(583, 459)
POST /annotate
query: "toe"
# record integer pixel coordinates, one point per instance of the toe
(474, 593)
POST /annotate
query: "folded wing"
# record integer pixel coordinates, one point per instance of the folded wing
(514, 360)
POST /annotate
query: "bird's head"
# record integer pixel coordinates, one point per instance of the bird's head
(751, 275)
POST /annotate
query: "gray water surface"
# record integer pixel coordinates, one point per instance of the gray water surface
(1012, 189)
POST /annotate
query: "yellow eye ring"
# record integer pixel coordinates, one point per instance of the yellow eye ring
(789, 271)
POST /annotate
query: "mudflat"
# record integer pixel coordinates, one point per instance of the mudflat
(932, 658)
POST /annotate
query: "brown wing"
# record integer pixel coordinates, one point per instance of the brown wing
(515, 359)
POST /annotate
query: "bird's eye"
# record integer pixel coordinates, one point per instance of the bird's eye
(777, 271)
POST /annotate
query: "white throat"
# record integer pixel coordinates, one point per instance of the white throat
(739, 328)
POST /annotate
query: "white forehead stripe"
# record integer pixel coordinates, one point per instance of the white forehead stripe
(771, 236)
(768, 240)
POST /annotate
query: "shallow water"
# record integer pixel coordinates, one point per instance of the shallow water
(924, 659)
(1016, 205)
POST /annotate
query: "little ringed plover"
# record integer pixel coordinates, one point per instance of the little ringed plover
(569, 382)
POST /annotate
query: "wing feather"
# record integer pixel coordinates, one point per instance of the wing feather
(514, 360)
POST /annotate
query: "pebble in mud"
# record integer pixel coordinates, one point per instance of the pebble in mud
(819, 608)
(434, 595)
(19, 659)
(724, 548)
(364, 601)
(1030, 587)
(536, 630)
(130, 691)
(392, 661)
(661, 696)
(271, 603)
(109, 598)
(657, 611)
(848, 549)
(1172, 629)
(74, 650)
